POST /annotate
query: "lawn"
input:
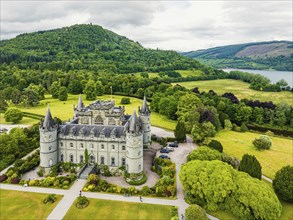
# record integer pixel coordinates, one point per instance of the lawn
(64, 109)
(240, 89)
(185, 73)
(24, 205)
(24, 121)
(237, 144)
(106, 209)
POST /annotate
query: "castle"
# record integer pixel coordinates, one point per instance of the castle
(111, 137)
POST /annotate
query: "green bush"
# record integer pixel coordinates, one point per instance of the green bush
(138, 182)
(216, 145)
(125, 101)
(13, 115)
(243, 127)
(263, 142)
(204, 153)
(195, 212)
(82, 202)
(51, 198)
(283, 183)
(249, 164)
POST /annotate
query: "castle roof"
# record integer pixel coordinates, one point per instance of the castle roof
(144, 108)
(48, 121)
(95, 130)
(133, 122)
(80, 104)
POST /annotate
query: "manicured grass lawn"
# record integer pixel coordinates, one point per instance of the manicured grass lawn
(64, 109)
(106, 209)
(240, 89)
(24, 121)
(237, 144)
(24, 205)
(185, 73)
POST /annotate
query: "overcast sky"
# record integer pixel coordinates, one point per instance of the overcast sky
(176, 25)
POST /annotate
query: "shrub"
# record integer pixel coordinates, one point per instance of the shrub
(40, 172)
(243, 127)
(228, 125)
(125, 101)
(180, 131)
(51, 198)
(263, 142)
(204, 153)
(233, 161)
(195, 212)
(15, 180)
(145, 191)
(3, 178)
(283, 183)
(249, 164)
(216, 145)
(92, 177)
(13, 115)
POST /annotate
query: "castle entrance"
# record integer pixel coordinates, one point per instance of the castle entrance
(92, 159)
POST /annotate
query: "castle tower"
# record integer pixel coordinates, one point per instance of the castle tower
(48, 141)
(134, 146)
(144, 115)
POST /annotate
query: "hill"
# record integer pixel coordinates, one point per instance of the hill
(87, 47)
(276, 55)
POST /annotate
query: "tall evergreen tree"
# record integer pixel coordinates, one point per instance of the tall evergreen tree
(62, 95)
(180, 131)
(249, 164)
(90, 90)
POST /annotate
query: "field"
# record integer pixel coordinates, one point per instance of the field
(240, 89)
(24, 121)
(106, 209)
(64, 109)
(24, 205)
(237, 144)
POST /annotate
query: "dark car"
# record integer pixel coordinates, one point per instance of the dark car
(164, 157)
(174, 144)
(164, 150)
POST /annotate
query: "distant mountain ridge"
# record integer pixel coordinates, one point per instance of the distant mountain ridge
(260, 55)
(87, 47)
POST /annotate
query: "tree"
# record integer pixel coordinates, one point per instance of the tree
(30, 97)
(204, 153)
(168, 107)
(282, 83)
(90, 90)
(55, 89)
(249, 164)
(195, 212)
(86, 156)
(3, 103)
(243, 127)
(125, 101)
(62, 95)
(200, 132)
(180, 132)
(39, 89)
(214, 144)
(228, 124)
(243, 113)
(263, 142)
(16, 96)
(13, 115)
(100, 88)
(75, 86)
(283, 183)
(186, 103)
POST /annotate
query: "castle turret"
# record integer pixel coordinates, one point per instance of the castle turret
(144, 115)
(134, 146)
(80, 104)
(48, 141)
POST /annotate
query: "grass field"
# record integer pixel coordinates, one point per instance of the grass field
(240, 89)
(24, 205)
(64, 109)
(106, 209)
(24, 121)
(185, 73)
(237, 144)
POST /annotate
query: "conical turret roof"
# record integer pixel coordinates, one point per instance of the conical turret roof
(48, 121)
(144, 107)
(80, 104)
(133, 121)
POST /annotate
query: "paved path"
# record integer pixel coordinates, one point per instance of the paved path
(9, 127)
(267, 179)
(4, 171)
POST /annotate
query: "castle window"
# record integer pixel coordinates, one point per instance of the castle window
(99, 120)
(71, 144)
(81, 158)
(113, 147)
(62, 157)
(81, 145)
(123, 147)
(139, 168)
(102, 147)
(111, 121)
(102, 160)
(49, 148)
(138, 153)
(113, 161)
(71, 158)
(123, 161)
(92, 145)
(61, 144)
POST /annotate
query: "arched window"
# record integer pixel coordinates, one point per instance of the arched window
(111, 121)
(99, 120)
(113, 147)
(81, 158)
(62, 157)
(102, 160)
(113, 161)
(71, 158)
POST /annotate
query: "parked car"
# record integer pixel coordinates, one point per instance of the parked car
(173, 144)
(169, 148)
(164, 150)
(164, 157)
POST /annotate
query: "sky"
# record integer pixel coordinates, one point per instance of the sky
(169, 25)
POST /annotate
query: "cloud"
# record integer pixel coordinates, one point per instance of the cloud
(177, 25)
